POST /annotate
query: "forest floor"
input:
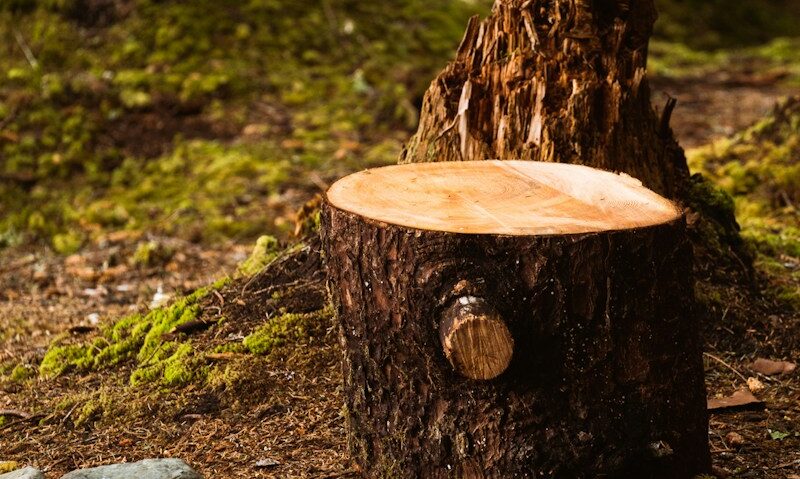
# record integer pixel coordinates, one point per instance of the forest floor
(136, 170)
(274, 410)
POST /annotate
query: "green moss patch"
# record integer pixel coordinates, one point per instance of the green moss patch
(287, 328)
(193, 118)
(140, 338)
(266, 249)
(758, 173)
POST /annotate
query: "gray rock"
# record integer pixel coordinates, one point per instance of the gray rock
(24, 473)
(147, 469)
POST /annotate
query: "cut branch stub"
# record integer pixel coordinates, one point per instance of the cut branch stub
(475, 339)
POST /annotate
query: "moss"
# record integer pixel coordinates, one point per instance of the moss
(758, 176)
(139, 338)
(22, 372)
(265, 250)
(67, 243)
(150, 253)
(60, 359)
(305, 93)
(678, 59)
(96, 406)
(288, 327)
(173, 364)
(225, 376)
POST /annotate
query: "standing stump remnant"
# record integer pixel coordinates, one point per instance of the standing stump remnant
(515, 319)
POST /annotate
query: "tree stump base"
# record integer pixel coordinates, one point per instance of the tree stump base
(515, 319)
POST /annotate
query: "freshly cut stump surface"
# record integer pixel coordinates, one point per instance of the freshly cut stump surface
(515, 319)
(502, 198)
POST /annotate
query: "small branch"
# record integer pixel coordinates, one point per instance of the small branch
(15, 413)
(26, 50)
(726, 365)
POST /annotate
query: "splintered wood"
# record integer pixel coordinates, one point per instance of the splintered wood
(553, 81)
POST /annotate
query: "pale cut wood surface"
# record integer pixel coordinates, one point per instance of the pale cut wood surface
(475, 339)
(501, 197)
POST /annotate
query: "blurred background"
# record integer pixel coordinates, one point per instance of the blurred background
(213, 121)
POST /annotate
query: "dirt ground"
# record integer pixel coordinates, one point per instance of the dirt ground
(286, 407)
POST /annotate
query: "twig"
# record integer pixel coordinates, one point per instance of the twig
(64, 420)
(726, 365)
(26, 50)
(219, 297)
(15, 413)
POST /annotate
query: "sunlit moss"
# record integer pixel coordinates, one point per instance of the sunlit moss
(306, 79)
(758, 174)
(22, 372)
(265, 250)
(139, 338)
(289, 327)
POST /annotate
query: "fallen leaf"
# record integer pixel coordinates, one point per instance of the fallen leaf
(81, 329)
(8, 466)
(113, 272)
(768, 367)
(120, 236)
(754, 385)
(734, 439)
(267, 462)
(741, 399)
(778, 435)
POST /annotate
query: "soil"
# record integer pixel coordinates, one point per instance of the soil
(286, 406)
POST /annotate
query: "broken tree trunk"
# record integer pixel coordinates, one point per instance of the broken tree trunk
(559, 81)
(515, 319)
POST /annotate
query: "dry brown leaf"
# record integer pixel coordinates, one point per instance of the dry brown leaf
(741, 399)
(83, 273)
(768, 367)
(754, 385)
(734, 439)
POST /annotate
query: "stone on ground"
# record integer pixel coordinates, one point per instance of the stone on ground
(24, 473)
(146, 469)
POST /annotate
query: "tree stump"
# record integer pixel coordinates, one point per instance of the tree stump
(515, 319)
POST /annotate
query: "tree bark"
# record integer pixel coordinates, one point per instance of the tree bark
(554, 80)
(605, 373)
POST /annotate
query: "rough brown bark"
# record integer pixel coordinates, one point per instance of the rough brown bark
(606, 377)
(553, 80)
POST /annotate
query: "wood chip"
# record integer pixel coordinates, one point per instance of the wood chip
(741, 399)
(768, 367)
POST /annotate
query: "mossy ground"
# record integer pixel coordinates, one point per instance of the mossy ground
(204, 119)
(758, 175)
(196, 118)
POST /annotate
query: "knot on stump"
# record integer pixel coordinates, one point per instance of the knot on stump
(475, 339)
